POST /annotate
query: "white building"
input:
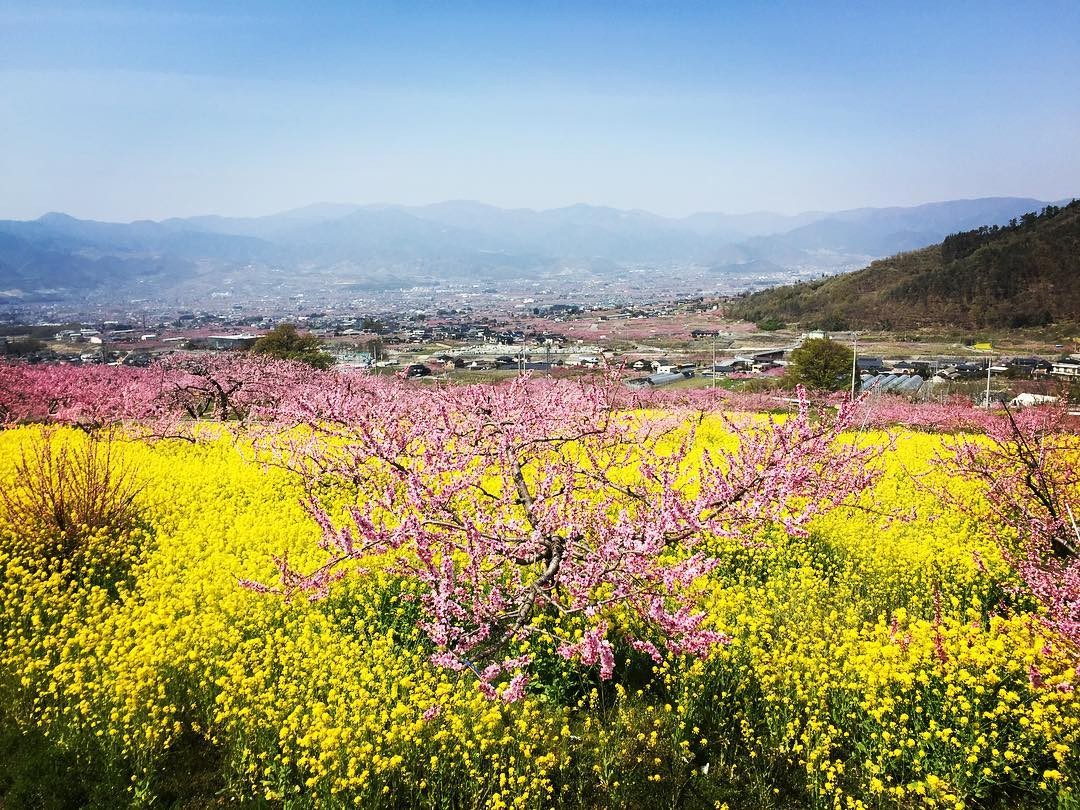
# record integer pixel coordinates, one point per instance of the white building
(1069, 367)
(1028, 400)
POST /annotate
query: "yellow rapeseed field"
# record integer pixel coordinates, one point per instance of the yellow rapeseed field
(884, 661)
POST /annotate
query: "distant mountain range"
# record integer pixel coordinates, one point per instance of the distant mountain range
(1025, 274)
(58, 257)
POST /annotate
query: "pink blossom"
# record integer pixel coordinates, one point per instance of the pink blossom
(1031, 490)
(535, 496)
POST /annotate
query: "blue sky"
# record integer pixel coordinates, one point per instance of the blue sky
(124, 111)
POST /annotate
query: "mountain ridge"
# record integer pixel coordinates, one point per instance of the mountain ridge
(1023, 274)
(392, 245)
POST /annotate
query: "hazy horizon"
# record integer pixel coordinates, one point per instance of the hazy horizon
(115, 111)
(532, 209)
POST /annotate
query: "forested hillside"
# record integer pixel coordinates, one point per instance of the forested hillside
(1026, 273)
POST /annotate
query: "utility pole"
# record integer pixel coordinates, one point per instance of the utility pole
(854, 361)
(713, 362)
(986, 401)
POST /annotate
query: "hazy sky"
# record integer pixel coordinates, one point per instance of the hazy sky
(124, 111)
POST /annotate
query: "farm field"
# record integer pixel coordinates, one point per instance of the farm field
(539, 406)
(883, 654)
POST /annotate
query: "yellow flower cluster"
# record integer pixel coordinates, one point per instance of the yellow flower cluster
(885, 660)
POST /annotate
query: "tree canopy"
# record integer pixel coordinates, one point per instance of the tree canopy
(285, 342)
(821, 365)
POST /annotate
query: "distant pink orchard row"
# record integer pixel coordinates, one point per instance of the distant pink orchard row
(184, 387)
(228, 387)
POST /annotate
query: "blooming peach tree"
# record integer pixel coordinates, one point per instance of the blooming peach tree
(526, 508)
(227, 386)
(1028, 463)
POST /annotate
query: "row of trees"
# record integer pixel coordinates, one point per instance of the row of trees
(162, 399)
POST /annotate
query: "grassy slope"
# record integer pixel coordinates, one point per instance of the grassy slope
(1013, 281)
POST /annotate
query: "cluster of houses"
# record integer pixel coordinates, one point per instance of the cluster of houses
(99, 337)
(911, 378)
(501, 362)
(900, 377)
(908, 377)
(664, 372)
(485, 332)
(486, 344)
(100, 355)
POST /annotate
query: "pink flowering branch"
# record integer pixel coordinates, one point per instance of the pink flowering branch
(549, 498)
(1027, 466)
